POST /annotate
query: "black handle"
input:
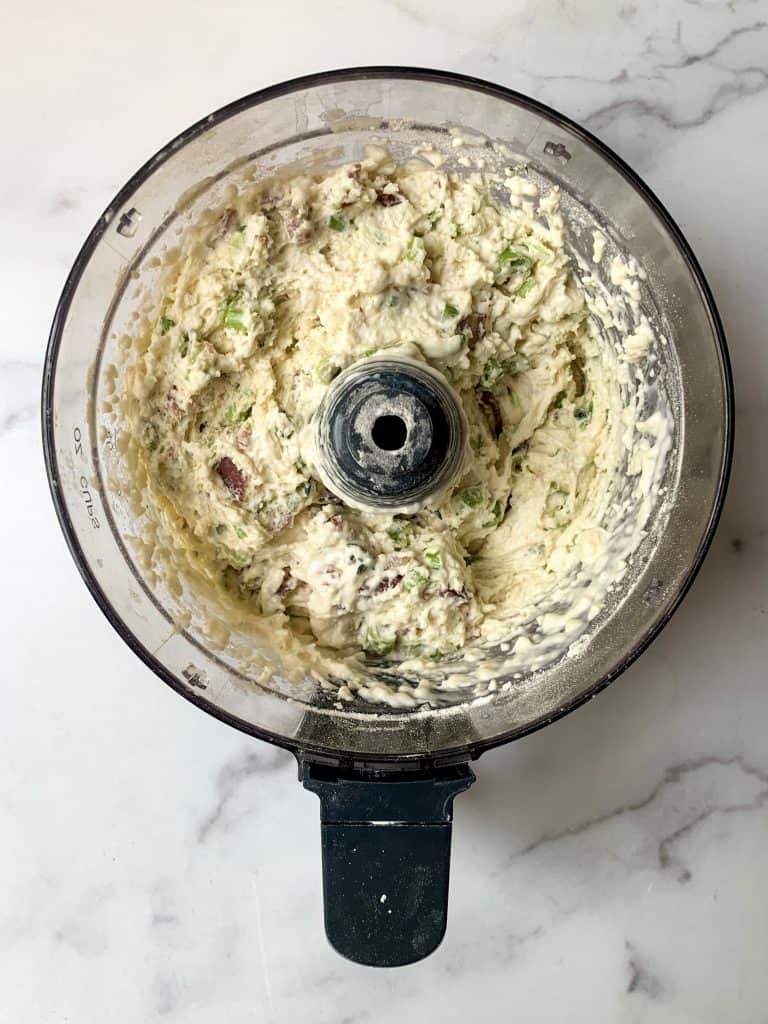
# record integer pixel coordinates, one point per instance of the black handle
(386, 859)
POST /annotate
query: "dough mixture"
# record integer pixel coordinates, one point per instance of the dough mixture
(279, 294)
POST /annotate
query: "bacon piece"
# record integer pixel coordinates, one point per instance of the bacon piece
(388, 583)
(388, 198)
(297, 224)
(492, 412)
(224, 224)
(473, 327)
(232, 477)
(288, 583)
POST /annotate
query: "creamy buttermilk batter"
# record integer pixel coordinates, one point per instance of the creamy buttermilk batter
(468, 273)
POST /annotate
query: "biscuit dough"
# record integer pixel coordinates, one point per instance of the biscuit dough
(317, 272)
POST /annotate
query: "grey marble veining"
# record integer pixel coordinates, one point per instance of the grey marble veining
(158, 866)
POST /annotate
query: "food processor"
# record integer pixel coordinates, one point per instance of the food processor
(386, 775)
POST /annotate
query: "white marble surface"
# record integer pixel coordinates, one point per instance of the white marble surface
(156, 865)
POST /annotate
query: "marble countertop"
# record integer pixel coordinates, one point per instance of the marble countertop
(157, 865)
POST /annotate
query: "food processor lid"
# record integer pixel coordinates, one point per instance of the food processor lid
(285, 118)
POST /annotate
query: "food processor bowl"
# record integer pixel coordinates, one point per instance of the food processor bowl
(386, 775)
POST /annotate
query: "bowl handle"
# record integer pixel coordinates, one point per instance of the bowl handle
(386, 841)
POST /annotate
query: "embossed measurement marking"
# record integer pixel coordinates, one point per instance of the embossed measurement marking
(85, 487)
(195, 677)
(88, 502)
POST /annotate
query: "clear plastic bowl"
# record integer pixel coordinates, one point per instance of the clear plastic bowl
(333, 117)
